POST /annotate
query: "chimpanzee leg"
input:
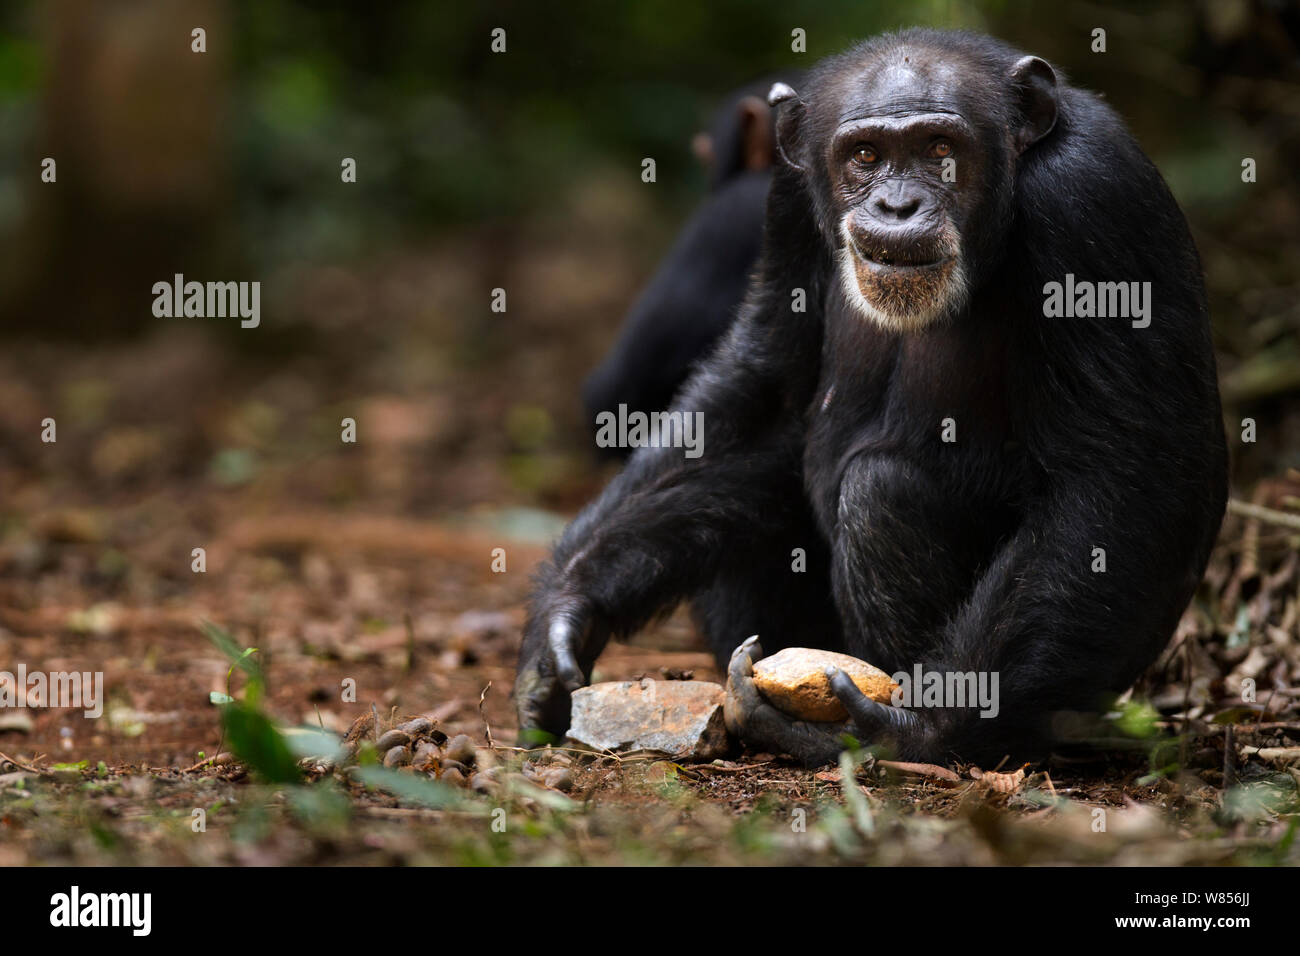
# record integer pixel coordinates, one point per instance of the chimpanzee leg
(778, 587)
(903, 551)
(641, 550)
(907, 551)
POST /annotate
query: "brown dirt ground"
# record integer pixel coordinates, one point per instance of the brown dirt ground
(372, 562)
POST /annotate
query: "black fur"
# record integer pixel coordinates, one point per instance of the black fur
(966, 556)
(694, 294)
(688, 304)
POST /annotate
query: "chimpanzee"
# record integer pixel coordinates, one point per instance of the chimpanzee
(694, 294)
(933, 462)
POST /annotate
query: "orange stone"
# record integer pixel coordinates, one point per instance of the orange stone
(795, 681)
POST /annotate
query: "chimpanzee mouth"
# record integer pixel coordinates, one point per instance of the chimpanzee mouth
(884, 259)
(905, 284)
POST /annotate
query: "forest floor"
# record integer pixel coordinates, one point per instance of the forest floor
(369, 566)
(334, 598)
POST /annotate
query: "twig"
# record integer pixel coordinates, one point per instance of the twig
(1229, 757)
(620, 758)
(418, 813)
(933, 771)
(1272, 753)
(1270, 515)
(206, 761)
(709, 768)
(21, 766)
(487, 728)
(1249, 566)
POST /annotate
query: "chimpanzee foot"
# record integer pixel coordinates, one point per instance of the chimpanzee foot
(762, 726)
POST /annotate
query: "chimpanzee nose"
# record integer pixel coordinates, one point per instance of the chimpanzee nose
(897, 202)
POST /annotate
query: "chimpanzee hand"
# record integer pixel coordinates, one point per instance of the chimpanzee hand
(555, 660)
(762, 726)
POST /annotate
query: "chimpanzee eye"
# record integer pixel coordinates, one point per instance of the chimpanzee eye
(941, 149)
(863, 153)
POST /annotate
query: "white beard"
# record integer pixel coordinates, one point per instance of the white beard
(951, 298)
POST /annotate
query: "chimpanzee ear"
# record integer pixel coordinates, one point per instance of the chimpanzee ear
(790, 110)
(757, 133)
(1035, 84)
(702, 147)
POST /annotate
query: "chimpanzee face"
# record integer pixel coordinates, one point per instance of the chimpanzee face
(912, 158)
(899, 220)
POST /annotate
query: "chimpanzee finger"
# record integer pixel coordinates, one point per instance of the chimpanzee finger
(743, 657)
(540, 701)
(751, 718)
(870, 717)
(561, 638)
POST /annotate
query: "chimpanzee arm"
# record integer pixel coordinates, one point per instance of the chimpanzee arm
(655, 535)
(1075, 604)
(1058, 632)
(1124, 427)
(1080, 596)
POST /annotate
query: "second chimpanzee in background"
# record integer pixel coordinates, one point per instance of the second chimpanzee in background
(979, 482)
(694, 294)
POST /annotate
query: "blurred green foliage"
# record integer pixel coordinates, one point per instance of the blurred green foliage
(170, 162)
(447, 133)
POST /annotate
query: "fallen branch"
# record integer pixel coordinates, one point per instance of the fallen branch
(1279, 754)
(1271, 515)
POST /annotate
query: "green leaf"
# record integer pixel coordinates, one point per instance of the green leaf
(239, 662)
(241, 657)
(535, 737)
(410, 788)
(1239, 636)
(311, 742)
(320, 807)
(550, 799)
(855, 799)
(255, 741)
(1138, 719)
(1241, 715)
(222, 640)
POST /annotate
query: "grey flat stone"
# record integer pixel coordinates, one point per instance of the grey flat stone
(683, 718)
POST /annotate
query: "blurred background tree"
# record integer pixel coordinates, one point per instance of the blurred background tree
(521, 170)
